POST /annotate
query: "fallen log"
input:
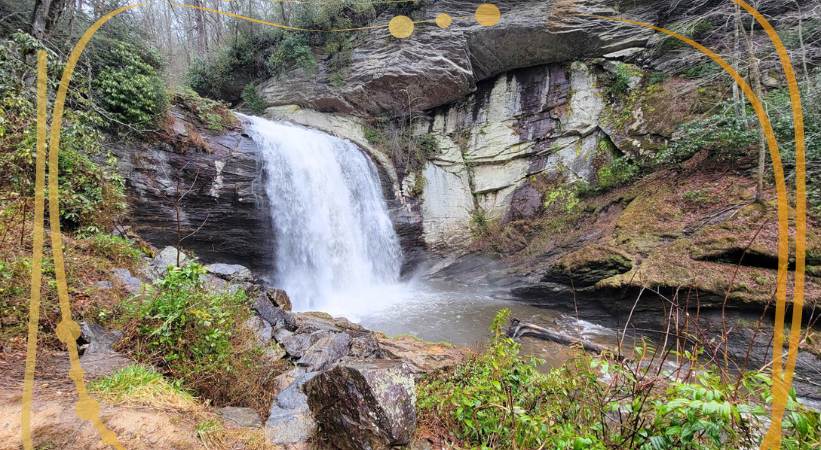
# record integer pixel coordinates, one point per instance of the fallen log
(519, 329)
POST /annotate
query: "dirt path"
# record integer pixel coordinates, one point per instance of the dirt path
(56, 426)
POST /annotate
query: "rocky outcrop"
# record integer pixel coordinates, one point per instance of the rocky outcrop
(210, 184)
(435, 66)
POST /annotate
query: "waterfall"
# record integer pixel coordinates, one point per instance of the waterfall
(336, 249)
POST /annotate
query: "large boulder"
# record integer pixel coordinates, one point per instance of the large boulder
(325, 351)
(364, 404)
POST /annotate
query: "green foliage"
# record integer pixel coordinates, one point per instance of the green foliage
(137, 383)
(480, 223)
(91, 192)
(618, 172)
(252, 99)
(374, 136)
(499, 399)
(129, 88)
(564, 197)
(214, 114)
(186, 328)
(292, 51)
(621, 81)
(118, 249)
(724, 134)
(224, 73)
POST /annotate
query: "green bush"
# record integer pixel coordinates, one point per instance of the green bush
(292, 51)
(129, 88)
(225, 73)
(196, 334)
(118, 249)
(618, 172)
(252, 99)
(214, 114)
(185, 328)
(499, 399)
(91, 191)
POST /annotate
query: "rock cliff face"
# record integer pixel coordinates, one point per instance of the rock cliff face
(525, 122)
(211, 185)
(436, 66)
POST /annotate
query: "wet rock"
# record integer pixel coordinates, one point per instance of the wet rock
(98, 358)
(290, 420)
(243, 417)
(261, 329)
(421, 356)
(275, 316)
(132, 284)
(365, 346)
(526, 203)
(166, 258)
(279, 298)
(364, 404)
(230, 272)
(281, 334)
(325, 351)
(298, 344)
(226, 207)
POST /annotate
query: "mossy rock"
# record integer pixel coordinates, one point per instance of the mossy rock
(589, 265)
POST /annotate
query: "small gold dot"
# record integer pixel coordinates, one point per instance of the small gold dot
(401, 27)
(488, 14)
(443, 20)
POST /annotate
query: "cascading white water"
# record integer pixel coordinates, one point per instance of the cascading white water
(336, 249)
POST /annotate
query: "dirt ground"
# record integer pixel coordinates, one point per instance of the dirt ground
(56, 425)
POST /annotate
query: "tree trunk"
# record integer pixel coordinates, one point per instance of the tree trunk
(755, 77)
(39, 18)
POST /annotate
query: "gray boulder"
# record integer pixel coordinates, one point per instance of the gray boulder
(230, 272)
(132, 284)
(290, 420)
(297, 344)
(279, 298)
(277, 317)
(364, 404)
(261, 329)
(167, 257)
(325, 351)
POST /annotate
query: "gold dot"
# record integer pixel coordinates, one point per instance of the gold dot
(401, 27)
(488, 14)
(443, 20)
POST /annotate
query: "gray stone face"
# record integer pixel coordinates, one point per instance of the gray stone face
(225, 207)
(262, 330)
(289, 426)
(168, 257)
(243, 417)
(132, 284)
(290, 420)
(297, 345)
(230, 272)
(364, 404)
(436, 67)
(325, 351)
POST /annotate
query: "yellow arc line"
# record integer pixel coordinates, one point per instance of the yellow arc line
(782, 205)
(772, 440)
(36, 252)
(68, 330)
